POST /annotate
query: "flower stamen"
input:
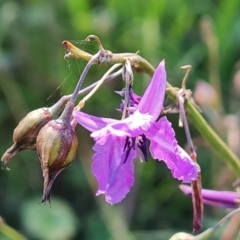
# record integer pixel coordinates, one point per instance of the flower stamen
(129, 144)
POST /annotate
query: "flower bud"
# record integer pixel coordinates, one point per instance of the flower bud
(25, 134)
(56, 146)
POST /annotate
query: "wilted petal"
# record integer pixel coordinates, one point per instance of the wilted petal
(224, 199)
(163, 146)
(152, 100)
(114, 177)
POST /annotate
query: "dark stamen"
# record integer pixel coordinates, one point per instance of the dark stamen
(129, 144)
(142, 144)
(126, 144)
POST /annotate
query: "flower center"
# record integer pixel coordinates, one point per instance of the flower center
(131, 143)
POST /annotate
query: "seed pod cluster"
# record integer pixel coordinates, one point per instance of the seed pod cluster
(54, 139)
(25, 134)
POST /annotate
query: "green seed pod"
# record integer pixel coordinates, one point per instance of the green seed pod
(25, 134)
(56, 146)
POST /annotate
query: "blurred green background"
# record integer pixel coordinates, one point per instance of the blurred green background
(34, 74)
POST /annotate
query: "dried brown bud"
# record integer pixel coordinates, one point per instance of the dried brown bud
(56, 146)
(25, 134)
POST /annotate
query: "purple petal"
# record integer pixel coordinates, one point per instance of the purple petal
(152, 100)
(186, 165)
(225, 199)
(91, 123)
(132, 126)
(221, 204)
(134, 97)
(114, 177)
(163, 146)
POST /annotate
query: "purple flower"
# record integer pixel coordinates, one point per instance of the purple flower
(118, 142)
(224, 199)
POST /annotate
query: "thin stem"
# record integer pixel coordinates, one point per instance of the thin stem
(97, 40)
(65, 99)
(10, 232)
(217, 144)
(66, 115)
(197, 184)
(100, 82)
(90, 87)
(227, 217)
(126, 101)
(83, 76)
(189, 69)
(128, 78)
(183, 117)
(206, 234)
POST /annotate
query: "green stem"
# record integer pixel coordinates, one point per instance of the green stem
(217, 144)
(10, 232)
(208, 233)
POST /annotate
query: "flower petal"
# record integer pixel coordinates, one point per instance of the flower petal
(224, 199)
(152, 99)
(91, 123)
(186, 166)
(163, 146)
(133, 96)
(132, 126)
(114, 177)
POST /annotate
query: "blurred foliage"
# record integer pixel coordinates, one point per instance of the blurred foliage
(33, 74)
(59, 223)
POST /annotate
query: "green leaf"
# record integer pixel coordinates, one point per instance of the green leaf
(49, 223)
